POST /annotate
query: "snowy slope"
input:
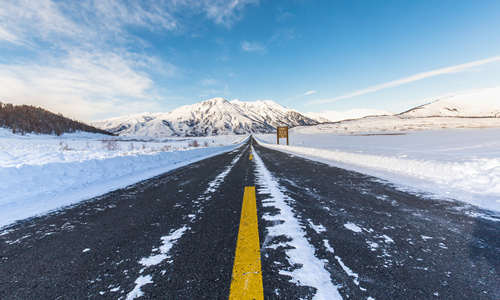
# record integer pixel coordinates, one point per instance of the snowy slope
(334, 115)
(477, 103)
(211, 117)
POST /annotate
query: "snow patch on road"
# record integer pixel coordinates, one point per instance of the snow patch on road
(167, 242)
(139, 283)
(160, 254)
(352, 227)
(318, 228)
(348, 270)
(312, 270)
(214, 184)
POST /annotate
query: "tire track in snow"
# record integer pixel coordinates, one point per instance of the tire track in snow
(312, 270)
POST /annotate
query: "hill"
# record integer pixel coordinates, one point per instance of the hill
(23, 119)
(477, 103)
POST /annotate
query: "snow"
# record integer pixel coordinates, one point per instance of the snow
(139, 282)
(317, 228)
(352, 227)
(395, 125)
(210, 117)
(161, 253)
(311, 270)
(476, 103)
(32, 149)
(348, 270)
(459, 164)
(38, 175)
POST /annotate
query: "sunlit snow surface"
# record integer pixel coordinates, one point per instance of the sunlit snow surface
(40, 173)
(461, 164)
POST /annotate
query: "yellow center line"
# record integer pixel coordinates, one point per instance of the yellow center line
(251, 156)
(246, 282)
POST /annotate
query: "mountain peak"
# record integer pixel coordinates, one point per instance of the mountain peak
(214, 116)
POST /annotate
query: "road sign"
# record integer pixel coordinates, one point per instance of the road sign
(282, 132)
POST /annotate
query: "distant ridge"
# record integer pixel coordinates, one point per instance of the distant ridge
(215, 116)
(476, 103)
(23, 119)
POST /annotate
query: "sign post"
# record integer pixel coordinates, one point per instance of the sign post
(282, 132)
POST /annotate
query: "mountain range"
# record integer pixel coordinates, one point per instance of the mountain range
(219, 116)
(211, 117)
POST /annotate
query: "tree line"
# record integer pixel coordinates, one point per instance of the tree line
(30, 119)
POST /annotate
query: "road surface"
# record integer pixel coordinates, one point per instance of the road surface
(321, 232)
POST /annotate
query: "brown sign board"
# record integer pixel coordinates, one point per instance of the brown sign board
(282, 132)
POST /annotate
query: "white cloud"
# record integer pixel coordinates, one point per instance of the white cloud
(412, 78)
(252, 47)
(90, 71)
(311, 92)
(82, 85)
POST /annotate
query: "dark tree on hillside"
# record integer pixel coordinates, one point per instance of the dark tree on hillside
(26, 119)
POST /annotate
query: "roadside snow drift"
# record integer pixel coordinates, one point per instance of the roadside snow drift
(453, 164)
(31, 187)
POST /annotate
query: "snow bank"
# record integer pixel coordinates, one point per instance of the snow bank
(461, 164)
(32, 189)
(32, 149)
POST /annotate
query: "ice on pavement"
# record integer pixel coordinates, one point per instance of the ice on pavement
(40, 173)
(460, 164)
(312, 270)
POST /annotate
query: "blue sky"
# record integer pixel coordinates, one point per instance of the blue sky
(95, 59)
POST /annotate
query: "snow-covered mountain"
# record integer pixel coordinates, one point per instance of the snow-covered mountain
(334, 115)
(477, 103)
(211, 117)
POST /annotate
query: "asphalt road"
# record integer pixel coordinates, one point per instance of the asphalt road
(174, 237)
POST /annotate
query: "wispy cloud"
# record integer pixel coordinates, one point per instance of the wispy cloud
(224, 12)
(252, 47)
(96, 66)
(311, 92)
(412, 78)
(82, 86)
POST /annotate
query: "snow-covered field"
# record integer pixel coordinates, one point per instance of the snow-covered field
(460, 164)
(397, 124)
(32, 149)
(40, 173)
